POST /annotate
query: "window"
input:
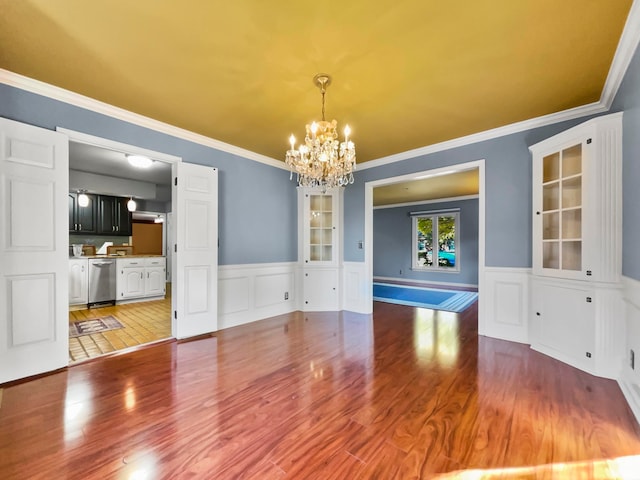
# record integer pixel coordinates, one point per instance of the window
(435, 241)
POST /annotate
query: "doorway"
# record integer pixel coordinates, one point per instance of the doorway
(99, 168)
(369, 191)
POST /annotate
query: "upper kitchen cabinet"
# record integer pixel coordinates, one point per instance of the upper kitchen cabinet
(82, 219)
(113, 216)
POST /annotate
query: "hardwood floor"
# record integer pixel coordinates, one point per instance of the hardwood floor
(143, 322)
(403, 394)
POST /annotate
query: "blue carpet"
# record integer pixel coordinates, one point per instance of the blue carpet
(449, 300)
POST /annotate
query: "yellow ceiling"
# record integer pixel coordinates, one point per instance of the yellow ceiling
(433, 187)
(406, 73)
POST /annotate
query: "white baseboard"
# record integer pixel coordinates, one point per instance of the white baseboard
(505, 300)
(247, 293)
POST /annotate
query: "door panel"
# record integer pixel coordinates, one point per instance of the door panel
(34, 263)
(196, 203)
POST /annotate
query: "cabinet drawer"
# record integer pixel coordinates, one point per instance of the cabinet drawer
(154, 262)
(130, 262)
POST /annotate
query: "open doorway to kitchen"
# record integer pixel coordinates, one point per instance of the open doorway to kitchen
(120, 265)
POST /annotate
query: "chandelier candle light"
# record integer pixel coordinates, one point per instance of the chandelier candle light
(322, 161)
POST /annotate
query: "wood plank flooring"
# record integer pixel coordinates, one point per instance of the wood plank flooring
(144, 322)
(405, 393)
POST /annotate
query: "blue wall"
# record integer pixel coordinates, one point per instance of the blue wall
(628, 100)
(257, 202)
(507, 194)
(393, 243)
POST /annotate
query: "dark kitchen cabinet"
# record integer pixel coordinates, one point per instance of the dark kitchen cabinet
(113, 216)
(82, 219)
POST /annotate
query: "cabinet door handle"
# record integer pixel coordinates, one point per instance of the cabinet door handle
(113, 229)
(117, 228)
(80, 226)
(538, 313)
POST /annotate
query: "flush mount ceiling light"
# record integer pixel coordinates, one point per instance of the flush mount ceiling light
(83, 199)
(131, 205)
(139, 161)
(322, 161)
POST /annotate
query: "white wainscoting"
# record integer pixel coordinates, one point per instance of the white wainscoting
(247, 293)
(505, 299)
(629, 380)
(357, 292)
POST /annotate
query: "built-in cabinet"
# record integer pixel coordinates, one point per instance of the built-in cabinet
(320, 257)
(113, 216)
(82, 219)
(78, 281)
(140, 278)
(577, 244)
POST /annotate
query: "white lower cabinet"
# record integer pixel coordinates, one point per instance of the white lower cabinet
(320, 289)
(78, 281)
(140, 278)
(154, 282)
(564, 321)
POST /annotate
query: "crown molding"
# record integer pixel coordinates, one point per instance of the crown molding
(624, 53)
(578, 112)
(56, 93)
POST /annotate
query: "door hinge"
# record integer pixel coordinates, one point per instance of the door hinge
(588, 299)
(588, 273)
(175, 247)
(175, 314)
(589, 141)
(175, 181)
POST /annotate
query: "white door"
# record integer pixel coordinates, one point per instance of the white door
(195, 199)
(34, 257)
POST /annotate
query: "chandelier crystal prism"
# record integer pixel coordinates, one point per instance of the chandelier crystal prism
(322, 160)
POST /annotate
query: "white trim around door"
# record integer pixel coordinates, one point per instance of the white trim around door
(483, 326)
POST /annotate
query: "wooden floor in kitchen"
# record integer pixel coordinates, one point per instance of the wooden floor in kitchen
(405, 393)
(144, 322)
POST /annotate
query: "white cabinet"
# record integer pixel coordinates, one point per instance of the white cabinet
(130, 281)
(155, 279)
(319, 247)
(577, 245)
(78, 281)
(140, 277)
(320, 289)
(564, 325)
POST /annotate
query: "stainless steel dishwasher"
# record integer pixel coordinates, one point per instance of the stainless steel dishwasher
(102, 281)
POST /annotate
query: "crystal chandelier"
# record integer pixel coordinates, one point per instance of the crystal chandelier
(323, 161)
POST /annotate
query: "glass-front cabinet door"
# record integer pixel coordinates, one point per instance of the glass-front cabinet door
(320, 228)
(320, 222)
(559, 207)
